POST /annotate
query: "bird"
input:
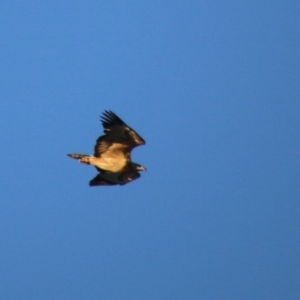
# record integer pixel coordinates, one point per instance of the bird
(112, 152)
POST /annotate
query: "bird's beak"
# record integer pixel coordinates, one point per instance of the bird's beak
(142, 168)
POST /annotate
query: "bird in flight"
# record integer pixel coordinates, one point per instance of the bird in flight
(112, 153)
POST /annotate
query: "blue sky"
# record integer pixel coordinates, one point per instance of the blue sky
(213, 87)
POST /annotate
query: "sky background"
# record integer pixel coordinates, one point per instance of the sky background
(213, 87)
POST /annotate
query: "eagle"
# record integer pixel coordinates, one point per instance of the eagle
(112, 153)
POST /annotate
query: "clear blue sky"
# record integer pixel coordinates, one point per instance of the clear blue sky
(213, 87)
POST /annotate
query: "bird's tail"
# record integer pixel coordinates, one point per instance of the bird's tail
(83, 158)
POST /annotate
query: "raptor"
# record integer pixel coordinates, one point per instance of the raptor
(112, 152)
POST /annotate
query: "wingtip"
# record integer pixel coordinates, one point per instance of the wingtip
(109, 118)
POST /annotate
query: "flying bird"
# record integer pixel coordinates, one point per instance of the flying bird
(112, 153)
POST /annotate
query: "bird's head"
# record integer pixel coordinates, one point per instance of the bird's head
(138, 167)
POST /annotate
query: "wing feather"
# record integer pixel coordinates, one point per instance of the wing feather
(110, 146)
(120, 178)
(114, 126)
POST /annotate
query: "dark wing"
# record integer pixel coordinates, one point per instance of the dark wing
(115, 127)
(110, 178)
(111, 146)
(128, 177)
(98, 180)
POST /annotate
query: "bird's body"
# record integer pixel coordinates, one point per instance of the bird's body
(112, 152)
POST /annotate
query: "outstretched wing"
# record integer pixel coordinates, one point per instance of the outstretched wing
(115, 127)
(110, 178)
(119, 138)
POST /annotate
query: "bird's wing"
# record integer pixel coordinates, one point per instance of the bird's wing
(97, 181)
(115, 127)
(111, 178)
(127, 177)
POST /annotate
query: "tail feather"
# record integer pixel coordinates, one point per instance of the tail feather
(83, 158)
